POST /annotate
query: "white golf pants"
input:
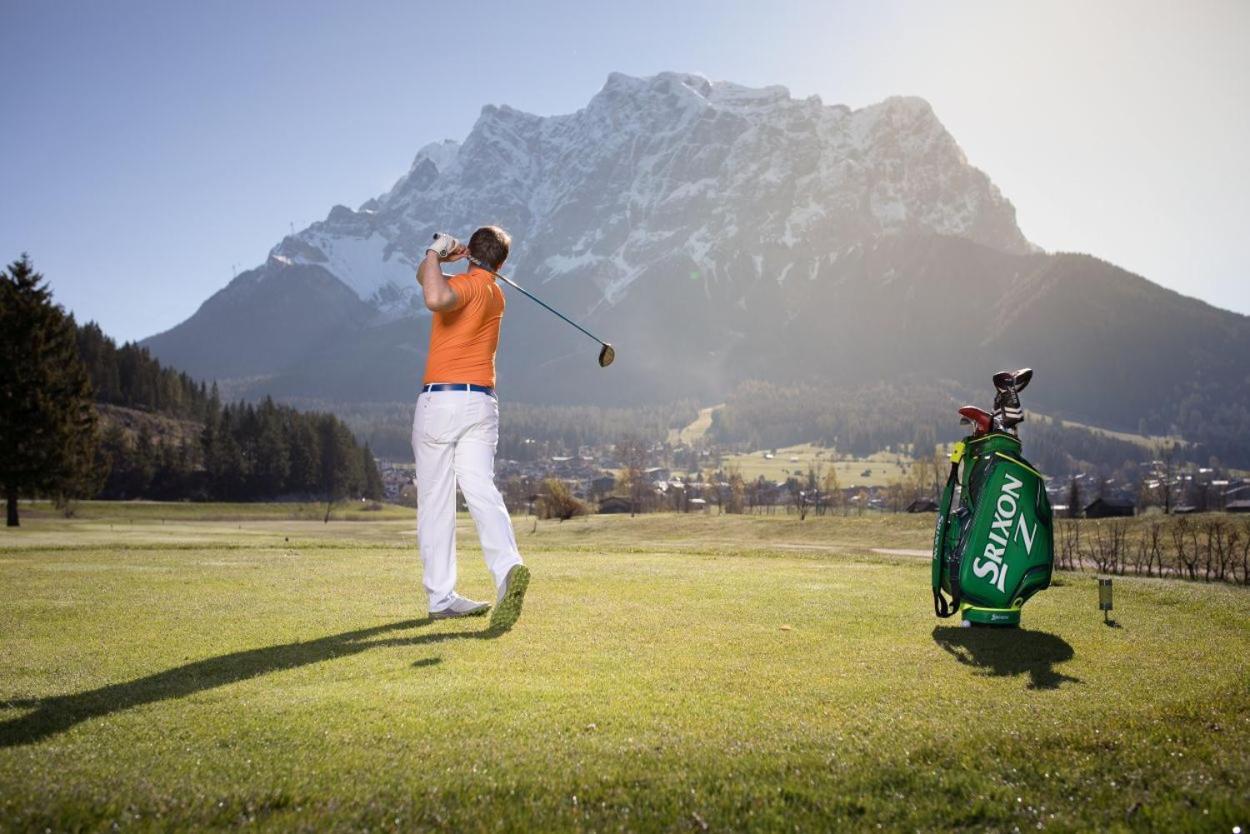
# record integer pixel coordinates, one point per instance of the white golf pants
(454, 434)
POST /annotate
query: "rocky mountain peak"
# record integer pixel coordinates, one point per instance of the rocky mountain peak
(671, 165)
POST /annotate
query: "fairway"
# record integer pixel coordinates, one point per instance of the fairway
(670, 673)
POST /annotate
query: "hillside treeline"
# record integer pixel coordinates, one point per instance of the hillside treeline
(210, 451)
(857, 421)
(129, 377)
(1216, 423)
(1056, 448)
(861, 421)
(529, 432)
(243, 452)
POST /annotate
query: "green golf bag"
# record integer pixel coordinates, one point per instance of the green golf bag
(996, 548)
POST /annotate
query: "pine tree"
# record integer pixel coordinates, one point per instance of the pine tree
(1074, 498)
(273, 459)
(341, 472)
(48, 432)
(305, 454)
(114, 451)
(145, 459)
(373, 488)
(224, 462)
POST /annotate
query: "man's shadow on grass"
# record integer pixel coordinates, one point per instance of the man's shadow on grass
(1008, 652)
(58, 713)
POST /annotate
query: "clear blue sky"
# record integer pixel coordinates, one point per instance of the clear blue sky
(148, 149)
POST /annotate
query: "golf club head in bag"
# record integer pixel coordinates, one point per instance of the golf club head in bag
(1007, 387)
(980, 419)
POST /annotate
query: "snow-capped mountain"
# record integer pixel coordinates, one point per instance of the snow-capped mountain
(664, 165)
(714, 233)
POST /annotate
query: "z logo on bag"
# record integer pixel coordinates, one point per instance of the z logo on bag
(990, 563)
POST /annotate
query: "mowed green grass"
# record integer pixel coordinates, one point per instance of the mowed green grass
(120, 512)
(669, 673)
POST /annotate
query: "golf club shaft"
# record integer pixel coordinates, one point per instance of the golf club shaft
(535, 299)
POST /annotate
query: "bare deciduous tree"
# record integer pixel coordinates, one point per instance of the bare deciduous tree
(632, 452)
(1107, 550)
(1243, 550)
(1154, 539)
(1186, 556)
(1070, 545)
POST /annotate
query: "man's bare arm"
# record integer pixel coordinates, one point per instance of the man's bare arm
(435, 288)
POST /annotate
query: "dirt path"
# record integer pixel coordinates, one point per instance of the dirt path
(902, 551)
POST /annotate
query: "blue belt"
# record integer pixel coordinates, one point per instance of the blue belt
(458, 386)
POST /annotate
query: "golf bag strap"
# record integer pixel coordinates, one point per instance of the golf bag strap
(941, 607)
(957, 594)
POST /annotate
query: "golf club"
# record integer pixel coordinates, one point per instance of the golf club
(980, 419)
(1007, 411)
(607, 353)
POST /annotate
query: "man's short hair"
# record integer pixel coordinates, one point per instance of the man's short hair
(490, 245)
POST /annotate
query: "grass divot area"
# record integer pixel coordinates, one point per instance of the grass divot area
(668, 673)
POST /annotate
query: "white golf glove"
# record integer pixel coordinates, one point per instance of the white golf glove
(443, 245)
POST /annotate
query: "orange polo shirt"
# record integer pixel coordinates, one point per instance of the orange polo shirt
(463, 339)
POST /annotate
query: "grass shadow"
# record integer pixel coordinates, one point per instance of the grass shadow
(58, 713)
(1008, 652)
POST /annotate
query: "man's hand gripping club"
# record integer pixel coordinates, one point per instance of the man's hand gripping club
(438, 293)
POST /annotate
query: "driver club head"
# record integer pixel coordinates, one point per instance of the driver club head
(606, 355)
(1008, 385)
(1007, 381)
(1022, 378)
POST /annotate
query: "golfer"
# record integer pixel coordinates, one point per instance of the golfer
(456, 428)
